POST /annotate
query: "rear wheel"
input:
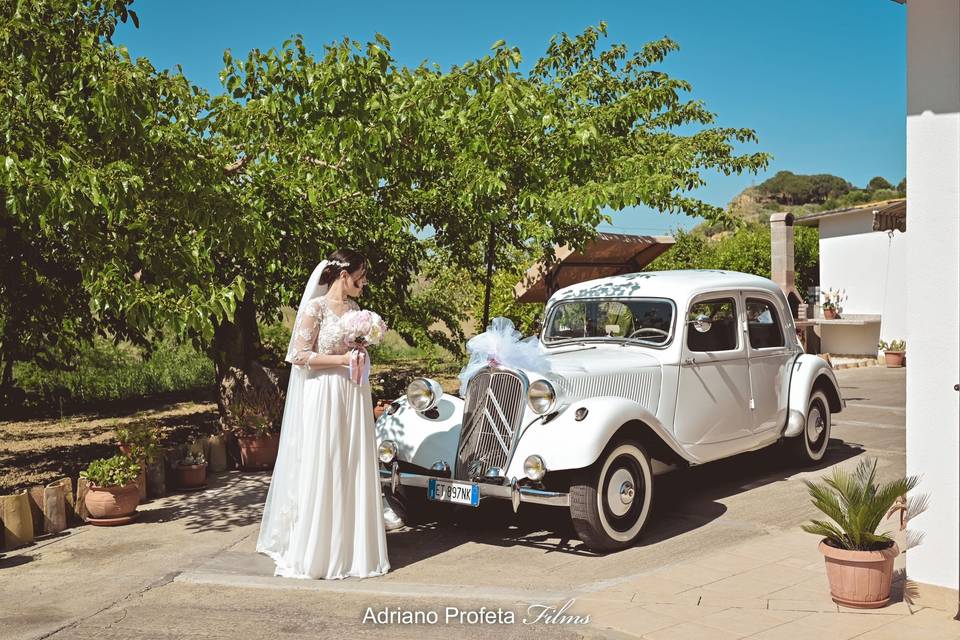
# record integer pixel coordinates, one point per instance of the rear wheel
(610, 500)
(811, 445)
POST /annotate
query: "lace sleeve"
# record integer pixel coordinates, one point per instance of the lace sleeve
(305, 331)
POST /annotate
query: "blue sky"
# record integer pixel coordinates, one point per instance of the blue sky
(823, 82)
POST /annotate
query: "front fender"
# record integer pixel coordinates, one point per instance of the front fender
(422, 440)
(810, 371)
(565, 443)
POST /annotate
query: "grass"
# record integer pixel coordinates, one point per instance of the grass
(107, 372)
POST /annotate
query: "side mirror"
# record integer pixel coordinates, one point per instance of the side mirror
(702, 324)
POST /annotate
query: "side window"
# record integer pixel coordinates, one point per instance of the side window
(722, 318)
(763, 325)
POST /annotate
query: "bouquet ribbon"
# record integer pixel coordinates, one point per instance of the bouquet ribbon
(360, 374)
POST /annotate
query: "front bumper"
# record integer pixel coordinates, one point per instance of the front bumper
(393, 478)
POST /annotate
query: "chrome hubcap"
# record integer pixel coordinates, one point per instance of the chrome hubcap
(815, 425)
(621, 492)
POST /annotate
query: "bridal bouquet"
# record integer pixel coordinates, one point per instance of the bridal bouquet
(361, 329)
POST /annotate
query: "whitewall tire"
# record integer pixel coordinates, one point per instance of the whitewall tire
(610, 500)
(811, 444)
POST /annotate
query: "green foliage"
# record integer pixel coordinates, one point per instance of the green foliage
(255, 412)
(143, 438)
(117, 471)
(879, 182)
(274, 339)
(526, 317)
(856, 504)
(790, 188)
(902, 188)
(746, 250)
(894, 345)
(202, 215)
(104, 371)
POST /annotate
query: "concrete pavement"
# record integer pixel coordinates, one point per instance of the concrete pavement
(722, 558)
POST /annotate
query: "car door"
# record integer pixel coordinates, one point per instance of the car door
(770, 356)
(713, 392)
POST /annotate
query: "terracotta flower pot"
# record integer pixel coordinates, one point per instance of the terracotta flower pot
(259, 451)
(190, 476)
(125, 448)
(859, 579)
(830, 314)
(893, 358)
(112, 502)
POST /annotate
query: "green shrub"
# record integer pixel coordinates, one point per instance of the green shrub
(143, 436)
(105, 371)
(112, 472)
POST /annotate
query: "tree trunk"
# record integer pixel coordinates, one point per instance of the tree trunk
(235, 346)
(491, 246)
(8, 359)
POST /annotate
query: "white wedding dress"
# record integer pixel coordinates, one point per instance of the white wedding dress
(323, 517)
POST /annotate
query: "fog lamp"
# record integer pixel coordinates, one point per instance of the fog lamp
(387, 451)
(534, 468)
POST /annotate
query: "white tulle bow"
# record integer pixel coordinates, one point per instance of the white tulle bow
(501, 345)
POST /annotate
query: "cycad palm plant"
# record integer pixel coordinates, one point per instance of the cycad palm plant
(857, 505)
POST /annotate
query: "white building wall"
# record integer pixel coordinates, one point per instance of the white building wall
(933, 271)
(871, 267)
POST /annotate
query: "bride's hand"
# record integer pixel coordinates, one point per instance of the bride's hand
(345, 359)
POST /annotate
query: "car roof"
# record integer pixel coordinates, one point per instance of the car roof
(677, 285)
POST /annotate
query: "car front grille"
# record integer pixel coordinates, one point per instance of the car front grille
(494, 408)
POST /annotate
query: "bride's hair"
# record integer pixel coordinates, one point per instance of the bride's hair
(342, 260)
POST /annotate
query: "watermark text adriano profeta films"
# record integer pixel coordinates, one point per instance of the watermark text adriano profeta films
(533, 614)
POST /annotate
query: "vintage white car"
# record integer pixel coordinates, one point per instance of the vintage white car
(646, 372)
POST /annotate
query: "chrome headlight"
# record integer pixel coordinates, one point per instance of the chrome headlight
(387, 451)
(542, 397)
(424, 394)
(534, 468)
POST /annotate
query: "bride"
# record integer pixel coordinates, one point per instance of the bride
(323, 517)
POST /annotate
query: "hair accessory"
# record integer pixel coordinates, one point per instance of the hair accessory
(338, 263)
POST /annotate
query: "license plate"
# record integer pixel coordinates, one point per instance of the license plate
(456, 492)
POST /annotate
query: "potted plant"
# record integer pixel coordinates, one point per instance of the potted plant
(113, 495)
(254, 417)
(831, 303)
(139, 440)
(859, 561)
(894, 352)
(191, 472)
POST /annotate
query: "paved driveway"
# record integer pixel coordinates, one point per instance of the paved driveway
(188, 567)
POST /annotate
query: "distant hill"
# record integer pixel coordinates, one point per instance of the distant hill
(804, 194)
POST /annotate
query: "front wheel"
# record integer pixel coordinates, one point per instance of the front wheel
(811, 445)
(610, 500)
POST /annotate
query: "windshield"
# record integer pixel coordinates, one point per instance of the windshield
(645, 320)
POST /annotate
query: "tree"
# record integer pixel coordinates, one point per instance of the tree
(793, 189)
(747, 250)
(527, 162)
(106, 185)
(200, 215)
(878, 182)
